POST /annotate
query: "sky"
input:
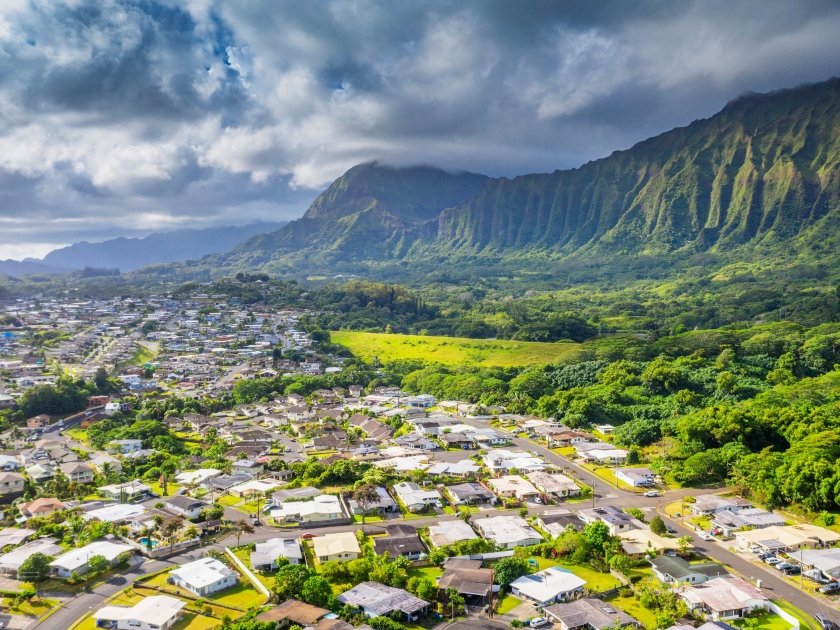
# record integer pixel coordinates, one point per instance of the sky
(120, 118)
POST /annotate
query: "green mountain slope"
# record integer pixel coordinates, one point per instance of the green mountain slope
(765, 169)
(757, 181)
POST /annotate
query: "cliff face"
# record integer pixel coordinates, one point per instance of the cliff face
(765, 167)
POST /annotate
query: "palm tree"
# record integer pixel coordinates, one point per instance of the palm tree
(242, 527)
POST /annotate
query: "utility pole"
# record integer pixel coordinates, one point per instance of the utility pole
(490, 608)
(593, 493)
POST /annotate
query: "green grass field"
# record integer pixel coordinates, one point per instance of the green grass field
(451, 350)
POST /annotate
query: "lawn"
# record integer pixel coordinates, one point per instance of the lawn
(766, 622)
(193, 621)
(370, 518)
(451, 350)
(35, 607)
(171, 489)
(430, 573)
(506, 604)
(244, 595)
(633, 607)
(608, 475)
(595, 580)
(229, 500)
(141, 355)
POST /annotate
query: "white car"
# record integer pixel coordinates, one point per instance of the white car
(538, 622)
(705, 536)
(652, 493)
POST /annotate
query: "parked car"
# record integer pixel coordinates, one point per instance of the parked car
(652, 493)
(784, 565)
(825, 622)
(538, 500)
(773, 560)
(794, 570)
(754, 548)
(705, 536)
(307, 536)
(538, 622)
(670, 529)
(829, 589)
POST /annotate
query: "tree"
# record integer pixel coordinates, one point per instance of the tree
(316, 591)
(684, 542)
(100, 379)
(289, 581)
(191, 532)
(598, 536)
(508, 570)
(97, 564)
(366, 495)
(35, 568)
(657, 525)
(455, 600)
(242, 527)
(170, 528)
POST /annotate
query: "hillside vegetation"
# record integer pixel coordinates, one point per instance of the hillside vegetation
(451, 350)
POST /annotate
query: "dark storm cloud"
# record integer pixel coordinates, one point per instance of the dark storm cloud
(127, 116)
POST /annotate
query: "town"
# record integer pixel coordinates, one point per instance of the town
(357, 505)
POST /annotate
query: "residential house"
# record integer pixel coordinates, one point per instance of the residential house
(296, 493)
(157, 612)
(376, 600)
(204, 576)
(635, 477)
(401, 541)
(77, 472)
(38, 422)
(508, 531)
(555, 485)
(749, 518)
(385, 504)
(788, 538)
(618, 521)
(675, 570)
(223, 483)
(325, 507)
(553, 585)
(555, 522)
(247, 467)
(197, 477)
(503, 460)
(449, 532)
(40, 473)
(14, 536)
(416, 441)
(124, 446)
(11, 562)
(826, 561)
(723, 599)
(40, 507)
(589, 614)
(561, 438)
(10, 483)
(467, 577)
(641, 543)
(101, 462)
(75, 560)
(116, 513)
(252, 487)
(185, 506)
(600, 453)
(465, 469)
(710, 504)
(299, 613)
(413, 497)
(341, 547)
(514, 486)
(266, 554)
(470, 493)
(129, 489)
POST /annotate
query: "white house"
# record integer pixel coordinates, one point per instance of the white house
(321, 508)
(503, 460)
(132, 489)
(266, 554)
(124, 446)
(635, 476)
(723, 598)
(157, 612)
(189, 508)
(414, 497)
(197, 477)
(508, 531)
(554, 585)
(204, 576)
(514, 486)
(76, 560)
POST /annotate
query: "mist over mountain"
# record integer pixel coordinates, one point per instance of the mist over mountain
(16, 268)
(161, 247)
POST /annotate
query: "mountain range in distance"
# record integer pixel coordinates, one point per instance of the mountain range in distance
(762, 175)
(127, 254)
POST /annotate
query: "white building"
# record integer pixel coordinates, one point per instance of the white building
(554, 585)
(204, 576)
(503, 460)
(76, 560)
(414, 497)
(322, 508)
(514, 486)
(197, 477)
(449, 532)
(157, 612)
(266, 554)
(723, 598)
(508, 531)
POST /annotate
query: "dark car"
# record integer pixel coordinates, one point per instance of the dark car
(829, 589)
(670, 529)
(784, 566)
(792, 571)
(825, 622)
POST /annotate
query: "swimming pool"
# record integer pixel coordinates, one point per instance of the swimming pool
(145, 542)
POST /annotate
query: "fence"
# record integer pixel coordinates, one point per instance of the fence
(254, 579)
(161, 550)
(785, 615)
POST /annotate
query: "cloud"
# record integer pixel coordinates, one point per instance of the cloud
(127, 116)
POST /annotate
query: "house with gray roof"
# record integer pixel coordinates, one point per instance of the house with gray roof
(675, 570)
(375, 600)
(589, 614)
